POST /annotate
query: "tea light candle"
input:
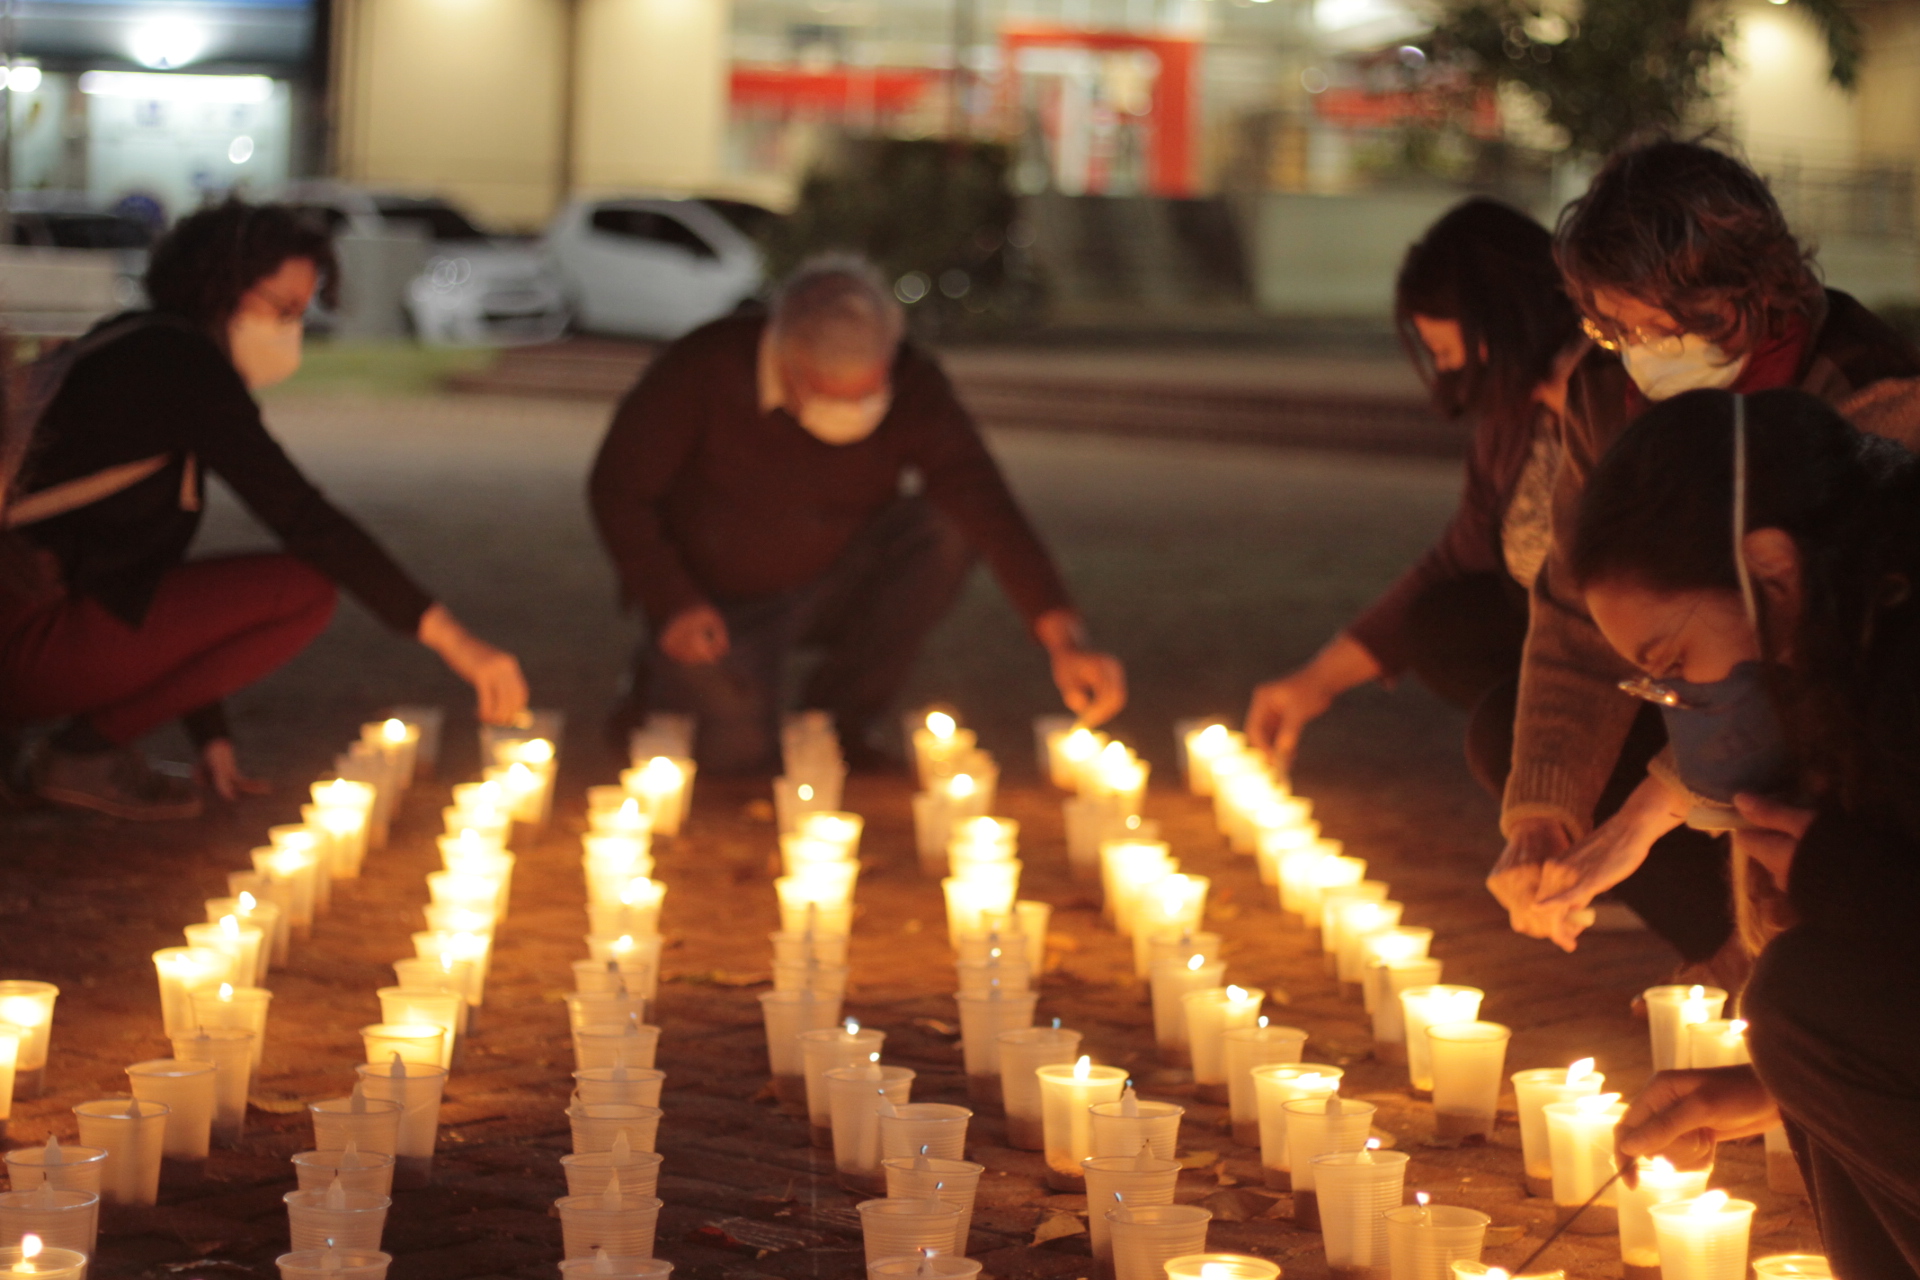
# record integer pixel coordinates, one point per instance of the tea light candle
(664, 787)
(1126, 868)
(811, 904)
(262, 915)
(42, 1261)
(1066, 1093)
(414, 1007)
(182, 971)
(1704, 1238)
(418, 1042)
(1424, 1240)
(318, 847)
(1580, 1142)
(29, 1005)
(1658, 1183)
(1532, 1092)
(795, 797)
(1423, 1007)
(1220, 1266)
(291, 875)
(1670, 1011)
(1068, 751)
(399, 743)
(1204, 745)
(1211, 1014)
(523, 789)
(1170, 984)
(1718, 1042)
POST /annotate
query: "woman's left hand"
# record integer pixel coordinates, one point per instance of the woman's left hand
(1774, 836)
(220, 770)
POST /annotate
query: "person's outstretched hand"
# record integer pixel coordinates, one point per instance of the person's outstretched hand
(220, 770)
(1280, 710)
(498, 684)
(1682, 1114)
(1515, 878)
(1611, 852)
(1092, 684)
(696, 636)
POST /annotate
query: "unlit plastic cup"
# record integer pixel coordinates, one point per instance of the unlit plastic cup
(614, 1045)
(1468, 1060)
(895, 1228)
(1145, 1236)
(635, 1086)
(605, 1264)
(334, 1264)
(937, 1128)
(418, 1095)
(1021, 1053)
(230, 1050)
(624, 1229)
(1112, 1132)
(64, 1219)
(820, 1052)
(1355, 1190)
(68, 1169)
(375, 1127)
(370, 1171)
(855, 1100)
(186, 1089)
(354, 1221)
(983, 1017)
(1116, 1180)
(1423, 1241)
(954, 1182)
(941, 1266)
(1245, 1048)
(597, 1124)
(133, 1134)
(49, 1264)
(787, 1014)
(1702, 1243)
(589, 1172)
(604, 1008)
(1316, 1126)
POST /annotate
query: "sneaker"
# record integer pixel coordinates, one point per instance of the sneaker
(120, 783)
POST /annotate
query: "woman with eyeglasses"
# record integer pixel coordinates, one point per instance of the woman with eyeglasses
(1684, 267)
(103, 620)
(1756, 558)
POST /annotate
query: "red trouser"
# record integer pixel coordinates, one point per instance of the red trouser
(215, 626)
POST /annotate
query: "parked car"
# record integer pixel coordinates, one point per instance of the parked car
(652, 268)
(476, 289)
(74, 220)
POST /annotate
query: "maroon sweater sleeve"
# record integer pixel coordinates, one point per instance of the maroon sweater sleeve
(963, 480)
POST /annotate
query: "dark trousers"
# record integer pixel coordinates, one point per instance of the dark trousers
(215, 627)
(1833, 1035)
(868, 615)
(1466, 640)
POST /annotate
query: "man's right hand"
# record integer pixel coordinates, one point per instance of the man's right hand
(1682, 1115)
(1515, 878)
(696, 636)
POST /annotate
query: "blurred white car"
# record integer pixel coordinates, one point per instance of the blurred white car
(476, 289)
(651, 268)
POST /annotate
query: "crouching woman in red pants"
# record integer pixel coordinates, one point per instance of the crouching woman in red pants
(102, 618)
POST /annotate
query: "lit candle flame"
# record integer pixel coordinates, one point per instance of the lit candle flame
(1211, 739)
(1594, 1104)
(1696, 992)
(853, 1026)
(394, 731)
(1263, 1021)
(961, 786)
(226, 992)
(874, 1058)
(1660, 1166)
(247, 903)
(536, 751)
(940, 724)
(805, 792)
(1737, 1027)
(1195, 962)
(1422, 1199)
(1712, 1202)
(30, 1246)
(229, 927)
(1215, 1271)
(1579, 1071)
(1373, 1144)
(623, 943)
(1083, 1069)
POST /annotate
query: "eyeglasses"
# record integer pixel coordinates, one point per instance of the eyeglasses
(1610, 337)
(1647, 689)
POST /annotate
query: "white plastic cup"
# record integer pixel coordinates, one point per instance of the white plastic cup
(982, 1019)
(348, 1220)
(335, 1264)
(133, 1134)
(372, 1124)
(72, 1168)
(1316, 1126)
(1145, 1236)
(244, 1007)
(419, 1042)
(614, 1044)
(1210, 1015)
(1274, 1086)
(369, 1171)
(63, 1219)
(624, 1230)
(49, 1264)
(937, 1128)
(854, 1094)
(186, 1089)
(1111, 1131)
(1657, 1184)
(1021, 1052)
(230, 1050)
(1066, 1099)
(1424, 1240)
(1388, 978)
(1532, 1092)
(1116, 1180)
(588, 1172)
(636, 1086)
(1670, 1010)
(941, 1266)
(1246, 1048)
(441, 1007)
(1580, 1140)
(894, 1228)
(1468, 1061)
(1702, 1243)
(1355, 1190)
(954, 1182)
(29, 1005)
(787, 1014)
(597, 1125)
(418, 1093)
(820, 1052)
(1423, 1007)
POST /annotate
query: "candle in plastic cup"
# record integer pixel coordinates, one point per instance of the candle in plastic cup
(893, 1228)
(1424, 1240)
(1317, 1126)
(854, 1096)
(1580, 1141)
(1704, 1238)
(1139, 1179)
(1793, 1266)
(416, 1087)
(68, 1168)
(598, 1125)
(937, 1128)
(603, 1264)
(370, 1124)
(335, 1218)
(787, 1014)
(230, 1052)
(588, 1172)
(632, 1044)
(1658, 1183)
(639, 1086)
(1275, 1086)
(133, 1134)
(1468, 1059)
(181, 972)
(1145, 1236)
(953, 1182)
(1718, 1042)
(1245, 1048)
(1355, 1189)
(230, 1006)
(1125, 1125)
(62, 1219)
(11, 1038)
(1170, 984)
(982, 1019)
(1389, 978)
(618, 1221)
(848, 1045)
(1376, 949)
(921, 1266)
(1532, 1091)
(1462, 1269)
(1423, 1007)
(356, 1170)
(1210, 1015)
(445, 1009)
(29, 1005)
(1670, 1011)
(186, 1089)
(1221, 1266)
(242, 942)
(1022, 1052)
(1066, 1095)
(32, 1257)
(334, 1264)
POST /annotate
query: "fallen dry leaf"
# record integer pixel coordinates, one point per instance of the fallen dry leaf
(1057, 1225)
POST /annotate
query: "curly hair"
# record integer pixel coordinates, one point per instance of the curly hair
(1689, 230)
(201, 269)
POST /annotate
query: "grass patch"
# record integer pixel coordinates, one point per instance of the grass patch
(394, 367)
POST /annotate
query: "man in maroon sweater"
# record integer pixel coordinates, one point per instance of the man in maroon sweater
(753, 492)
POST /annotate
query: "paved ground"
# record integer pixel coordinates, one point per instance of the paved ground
(1205, 566)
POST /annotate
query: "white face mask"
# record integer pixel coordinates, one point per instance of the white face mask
(1698, 365)
(265, 349)
(844, 421)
